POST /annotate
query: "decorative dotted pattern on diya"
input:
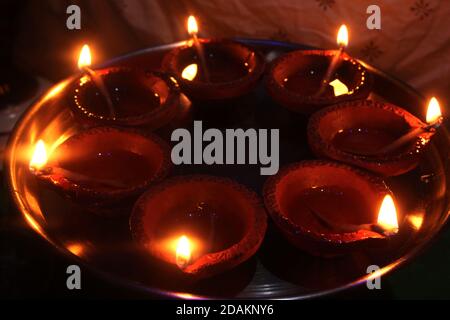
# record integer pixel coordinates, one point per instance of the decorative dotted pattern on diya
(169, 61)
(170, 102)
(316, 140)
(159, 174)
(361, 90)
(273, 207)
(243, 249)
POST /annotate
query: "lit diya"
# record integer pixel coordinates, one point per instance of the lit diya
(328, 209)
(380, 137)
(123, 96)
(213, 69)
(103, 168)
(203, 225)
(305, 81)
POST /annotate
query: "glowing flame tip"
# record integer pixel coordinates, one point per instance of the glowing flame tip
(39, 158)
(85, 58)
(192, 25)
(183, 254)
(387, 216)
(433, 111)
(342, 37)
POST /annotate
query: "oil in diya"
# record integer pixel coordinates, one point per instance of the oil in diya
(306, 80)
(123, 96)
(201, 225)
(214, 69)
(104, 169)
(329, 209)
(380, 137)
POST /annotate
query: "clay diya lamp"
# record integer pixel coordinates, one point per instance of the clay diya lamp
(199, 225)
(358, 133)
(136, 98)
(103, 169)
(328, 209)
(233, 69)
(295, 79)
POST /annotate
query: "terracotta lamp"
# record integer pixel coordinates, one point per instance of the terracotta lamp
(123, 96)
(201, 225)
(360, 133)
(213, 69)
(104, 168)
(328, 209)
(307, 80)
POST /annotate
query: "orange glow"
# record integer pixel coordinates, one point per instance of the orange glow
(387, 216)
(433, 111)
(75, 248)
(190, 72)
(416, 220)
(34, 224)
(85, 58)
(192, 25)
(183, 252)
(342, 37)
(39, 158)
(56, 90)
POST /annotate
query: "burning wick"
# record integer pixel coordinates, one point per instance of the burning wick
(342, 40)
(39, 158)
(434, 119)
(183, 252)
(38, 166)
(84, 62)
(192, 27)
(387, 223)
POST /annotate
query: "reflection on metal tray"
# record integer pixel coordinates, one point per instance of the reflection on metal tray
(278, 270)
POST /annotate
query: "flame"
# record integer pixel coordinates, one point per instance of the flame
(416, 220)
(433, 111)
(190, 72)
(387, 216)
(342, 37)
(39, 158)
(192, 25)
(85, 58)
(183, 252)
(339, 88)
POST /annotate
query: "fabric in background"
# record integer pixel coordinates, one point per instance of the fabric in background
(413, 43)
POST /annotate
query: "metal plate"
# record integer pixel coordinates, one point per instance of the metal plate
(278, 270)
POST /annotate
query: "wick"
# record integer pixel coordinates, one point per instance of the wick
(76, 177)
(335, 62)
(201, 54)
(407, 137)
(347, 227)
(411, 135)
(99, 83)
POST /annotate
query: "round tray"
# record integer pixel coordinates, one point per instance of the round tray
(278, 270)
